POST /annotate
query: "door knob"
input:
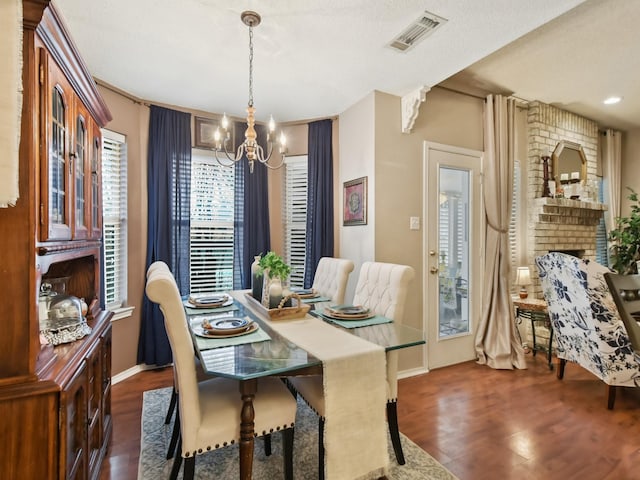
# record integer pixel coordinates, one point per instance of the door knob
(432, 253)
(433, 270)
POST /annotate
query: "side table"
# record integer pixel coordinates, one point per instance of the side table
(535, 310)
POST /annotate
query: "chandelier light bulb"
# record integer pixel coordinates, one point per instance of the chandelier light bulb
(272, 124)
(283, 140)
(225, 121)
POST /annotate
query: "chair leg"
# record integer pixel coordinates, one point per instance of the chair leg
(611, 396)
(321, 448)
(177, 461)
(287, 442)
(267, 444)
(174, 436)
(189, 468)
(394, 431)
(561, 365)
(172, 406)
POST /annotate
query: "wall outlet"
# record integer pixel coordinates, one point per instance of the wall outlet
(414, 223)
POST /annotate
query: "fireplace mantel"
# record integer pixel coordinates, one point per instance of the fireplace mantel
(567, 211)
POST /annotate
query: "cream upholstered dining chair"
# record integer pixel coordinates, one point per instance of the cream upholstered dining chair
(625, 290)
(381, 287)
(209, 411)
(586, 323)
(330, 279)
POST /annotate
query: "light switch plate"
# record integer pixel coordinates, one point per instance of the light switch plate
(414, 223)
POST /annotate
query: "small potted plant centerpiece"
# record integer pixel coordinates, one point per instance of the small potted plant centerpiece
(275, 272)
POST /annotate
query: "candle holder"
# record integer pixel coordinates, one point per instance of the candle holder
(545, 176)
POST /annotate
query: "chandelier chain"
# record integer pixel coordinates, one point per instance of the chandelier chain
(250, 66)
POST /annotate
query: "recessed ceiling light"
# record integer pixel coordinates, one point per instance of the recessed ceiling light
(612, 100)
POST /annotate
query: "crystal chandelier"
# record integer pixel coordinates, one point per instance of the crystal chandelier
(250, 145)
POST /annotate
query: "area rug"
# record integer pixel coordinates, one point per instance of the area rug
(223, 463)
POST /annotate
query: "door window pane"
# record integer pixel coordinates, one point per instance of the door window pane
(454, 226)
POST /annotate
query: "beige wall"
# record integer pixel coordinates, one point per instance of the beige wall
(131, 120)
(630, 172)
(371, 144)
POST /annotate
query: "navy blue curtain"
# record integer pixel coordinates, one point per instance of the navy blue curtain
(169, 190)
(251, 223)
(319, 241)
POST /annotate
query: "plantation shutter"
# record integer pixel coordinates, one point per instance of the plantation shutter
(514, 220)
(602, 249)
(212, 187)
(114, 212)
(295, 217)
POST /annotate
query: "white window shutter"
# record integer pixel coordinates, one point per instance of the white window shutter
(114, 212)
(212, 215)
(295, 217)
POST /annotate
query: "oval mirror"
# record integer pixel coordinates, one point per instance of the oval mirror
(568, 159)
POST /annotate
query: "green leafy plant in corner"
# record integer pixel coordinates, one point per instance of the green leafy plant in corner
(276, 265)
(625, 238)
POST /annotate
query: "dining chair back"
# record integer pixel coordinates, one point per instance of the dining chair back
(331, 277)
(625, 290)
(210, 410)
(381, 287)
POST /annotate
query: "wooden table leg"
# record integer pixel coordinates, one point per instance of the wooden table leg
(248, 390)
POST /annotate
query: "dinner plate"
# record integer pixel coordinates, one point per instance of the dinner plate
(218, 300)
(225, 325)
(348, 312)
(201, 332)
(305, 292)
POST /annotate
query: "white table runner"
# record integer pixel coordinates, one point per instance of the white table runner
(355, 395)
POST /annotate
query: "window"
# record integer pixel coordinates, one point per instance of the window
(114, 212)
(294, 214)
(515, 222)
(212, 216)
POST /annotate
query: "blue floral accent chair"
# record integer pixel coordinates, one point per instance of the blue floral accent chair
(588, 328)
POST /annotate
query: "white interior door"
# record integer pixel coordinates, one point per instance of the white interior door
(453, 252)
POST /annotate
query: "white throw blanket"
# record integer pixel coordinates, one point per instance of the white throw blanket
(10, 98)
(355, 395)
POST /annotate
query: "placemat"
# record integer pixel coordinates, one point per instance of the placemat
(376, 320)
(208, 343)
(201, 311)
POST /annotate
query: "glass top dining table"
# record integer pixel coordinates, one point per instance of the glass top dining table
(280, 357)
(276, 356)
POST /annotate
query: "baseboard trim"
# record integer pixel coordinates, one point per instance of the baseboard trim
(412, 372)
(130, 372)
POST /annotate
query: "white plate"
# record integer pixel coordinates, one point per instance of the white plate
(199, 331)
(227, 302)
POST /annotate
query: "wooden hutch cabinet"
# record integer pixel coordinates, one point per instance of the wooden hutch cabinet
(55, 401)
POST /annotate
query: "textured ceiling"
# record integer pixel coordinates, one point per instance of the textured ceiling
(573, 62)
(313, 58)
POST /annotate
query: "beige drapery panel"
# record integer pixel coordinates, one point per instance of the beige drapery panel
(496, 340)
(10, 98)
(611, 165)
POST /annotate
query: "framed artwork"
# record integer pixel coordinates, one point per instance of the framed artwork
(205, 129)
(355, 202)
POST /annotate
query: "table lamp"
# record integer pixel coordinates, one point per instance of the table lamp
(523, 278)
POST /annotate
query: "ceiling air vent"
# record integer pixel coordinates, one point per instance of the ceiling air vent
(418, 30)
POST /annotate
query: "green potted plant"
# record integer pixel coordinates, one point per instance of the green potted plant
(625, 238)
(275, 272)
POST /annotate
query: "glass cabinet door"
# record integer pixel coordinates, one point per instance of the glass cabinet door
(57, 178)
(96, 181)
(80, 160)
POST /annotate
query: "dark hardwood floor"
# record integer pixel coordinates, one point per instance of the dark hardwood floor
(482, 424)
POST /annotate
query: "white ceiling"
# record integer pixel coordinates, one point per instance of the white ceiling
(315, 58)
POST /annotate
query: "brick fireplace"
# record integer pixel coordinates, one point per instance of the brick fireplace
(558, 224)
